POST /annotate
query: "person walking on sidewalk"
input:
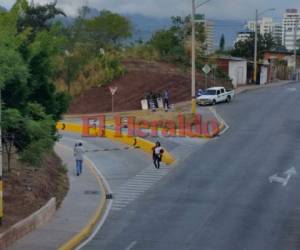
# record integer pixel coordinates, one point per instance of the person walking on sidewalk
(78, 154)
(157, 154)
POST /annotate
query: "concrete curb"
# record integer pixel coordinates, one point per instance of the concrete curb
(28, 224)
(136, 142)
(269, 85)
(91, 225)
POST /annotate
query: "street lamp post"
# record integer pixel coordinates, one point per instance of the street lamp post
(194, 7)
(295, 48)
(256, 40)
(255, 47)
(1, 165)
(193, 57)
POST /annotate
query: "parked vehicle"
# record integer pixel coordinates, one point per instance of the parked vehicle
(215, 95)
(200, 92)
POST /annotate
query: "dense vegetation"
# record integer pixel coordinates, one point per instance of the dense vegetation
(245, 48)
(30, 103)
(172, 44)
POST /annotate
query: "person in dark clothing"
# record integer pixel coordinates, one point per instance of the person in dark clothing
(166, 99)
(157, 154)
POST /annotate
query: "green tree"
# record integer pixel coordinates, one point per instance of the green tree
(107, 29)
(31, 104)
(31, 134)
(171, 43)
(37, 17)
(246, 48)
(165, 41)
(222, 43)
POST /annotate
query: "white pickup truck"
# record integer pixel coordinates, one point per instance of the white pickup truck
(215, 95)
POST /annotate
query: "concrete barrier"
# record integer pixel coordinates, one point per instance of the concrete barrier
(27, 225)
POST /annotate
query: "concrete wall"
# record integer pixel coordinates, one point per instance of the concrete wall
(238, 72)
(263, 75)
(27, 225)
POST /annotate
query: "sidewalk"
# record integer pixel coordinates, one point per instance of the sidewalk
(77, 209)
(243, 88)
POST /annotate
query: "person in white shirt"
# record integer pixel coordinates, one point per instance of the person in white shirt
(79, 154)
(157, 154)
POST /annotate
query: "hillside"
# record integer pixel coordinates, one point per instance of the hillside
(2, 9)
(142, 78)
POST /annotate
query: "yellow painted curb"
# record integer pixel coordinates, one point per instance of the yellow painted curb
(88, 229)
(138, 142)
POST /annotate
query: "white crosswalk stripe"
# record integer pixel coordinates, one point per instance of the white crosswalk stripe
(137, 185)
(145, 180)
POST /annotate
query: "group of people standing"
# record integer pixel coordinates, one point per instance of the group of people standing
(153, 100)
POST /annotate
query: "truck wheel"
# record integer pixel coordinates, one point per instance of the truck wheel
(228, 99)
(214, 102)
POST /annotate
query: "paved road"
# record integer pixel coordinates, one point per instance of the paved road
(219, 197)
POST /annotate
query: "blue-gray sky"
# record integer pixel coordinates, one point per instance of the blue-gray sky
(216, 9)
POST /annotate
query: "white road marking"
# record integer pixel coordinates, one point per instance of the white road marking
(132, 244)
(145, 177)
(128, 191)
(220, 119)
(283, 180)
(291, 89)
(137, 185)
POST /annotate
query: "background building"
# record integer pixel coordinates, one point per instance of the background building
(267, 25)
(290, 20)
(209, 40)
(243, 35)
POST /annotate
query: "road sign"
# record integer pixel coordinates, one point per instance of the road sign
(199, 18)
(113, 90)
(206, 69)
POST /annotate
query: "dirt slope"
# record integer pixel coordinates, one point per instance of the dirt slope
(142, 78)
(27, 189)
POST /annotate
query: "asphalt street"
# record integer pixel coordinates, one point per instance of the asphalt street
(219, 197)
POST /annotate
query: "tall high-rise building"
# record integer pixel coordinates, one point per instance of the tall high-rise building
(209, 40)
(243, 36)
(291, 20)
(267, 25)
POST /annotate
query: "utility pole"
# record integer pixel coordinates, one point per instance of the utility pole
(194, 7)
(193, 57)
(255, 47)
(295, 48)
(1, 165)
(256, 41)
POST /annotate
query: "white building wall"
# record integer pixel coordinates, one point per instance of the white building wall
(209, 40)
(263, 75)
(243, 36)
(238, 72)
(266, 25)
(291, 17)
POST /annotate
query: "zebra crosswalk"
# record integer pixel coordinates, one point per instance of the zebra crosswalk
(146, 179)
(138, 185)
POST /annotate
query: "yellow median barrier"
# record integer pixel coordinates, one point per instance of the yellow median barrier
(137, 142)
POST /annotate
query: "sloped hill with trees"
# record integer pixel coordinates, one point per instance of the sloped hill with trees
(142, 77)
